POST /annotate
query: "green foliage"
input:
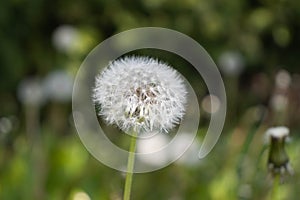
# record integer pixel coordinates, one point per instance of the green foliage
(57, 166)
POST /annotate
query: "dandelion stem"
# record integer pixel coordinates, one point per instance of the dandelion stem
(246, 146)
(275, 189)
(130, 166)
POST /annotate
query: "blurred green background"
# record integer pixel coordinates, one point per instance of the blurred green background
(42, 44)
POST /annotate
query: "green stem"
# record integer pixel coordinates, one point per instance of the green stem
(246, 147)
(275, 189)
(130, 166)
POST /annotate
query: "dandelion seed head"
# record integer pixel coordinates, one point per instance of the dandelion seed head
(140, 93)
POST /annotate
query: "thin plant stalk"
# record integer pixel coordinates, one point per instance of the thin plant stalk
(246, 146)
(130, 166)
(275, 189)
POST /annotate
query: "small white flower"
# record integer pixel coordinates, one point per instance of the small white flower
(140, 93)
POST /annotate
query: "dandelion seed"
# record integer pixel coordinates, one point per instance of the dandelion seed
(140, 94)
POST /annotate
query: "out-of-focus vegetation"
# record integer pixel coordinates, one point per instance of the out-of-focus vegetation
(42, 44)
